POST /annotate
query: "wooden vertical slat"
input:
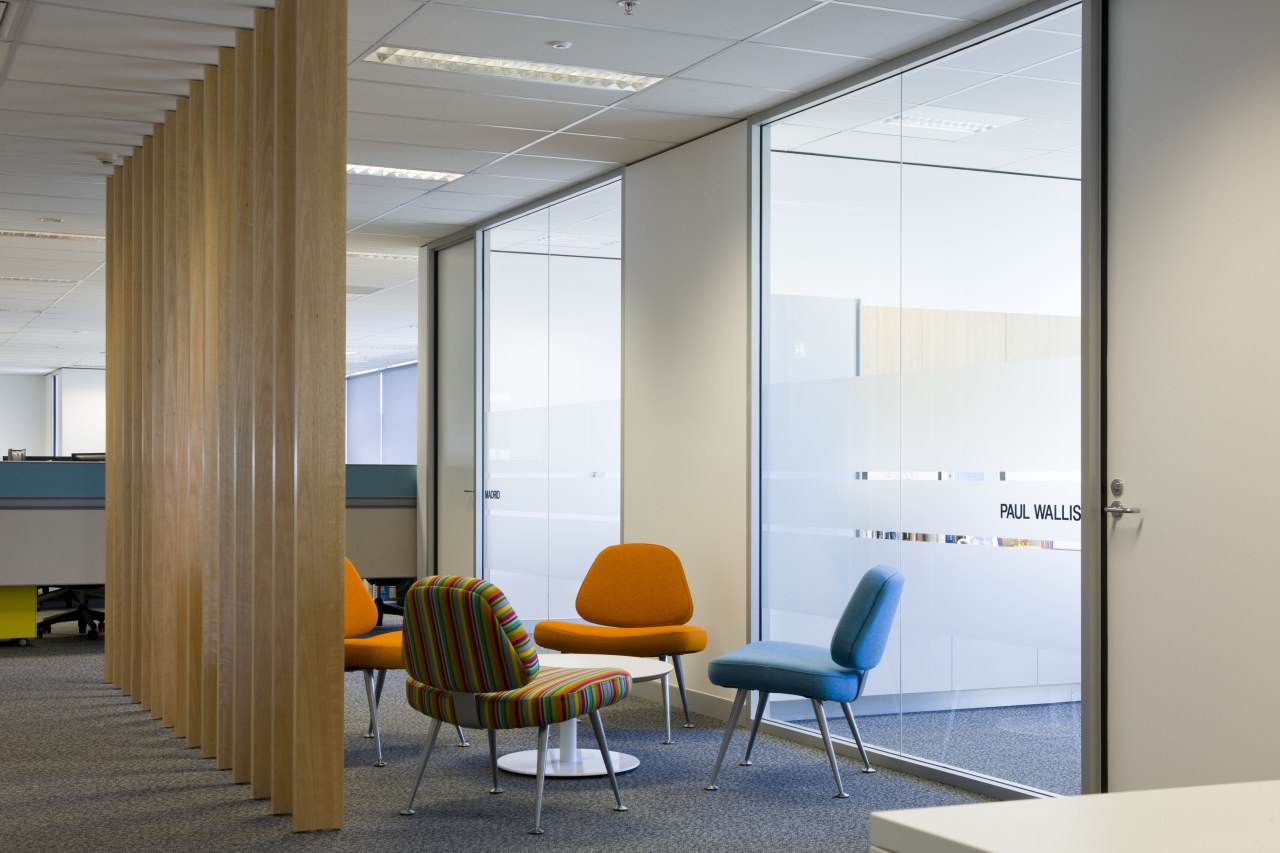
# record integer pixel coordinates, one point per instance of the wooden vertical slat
(242, 357)
(193, 523)
(226, 324)
(112, 299)
(210, 641)
(179, 339)
(283, 636)
(226, 146)
(165, 567)
(263, 285)
(319, 242)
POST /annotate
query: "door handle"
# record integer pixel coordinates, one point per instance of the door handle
(1117, 509)
(468, 491)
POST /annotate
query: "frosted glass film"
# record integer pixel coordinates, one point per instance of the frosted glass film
(364, 419)
(921, 408)
(400, 415)
(553, 420)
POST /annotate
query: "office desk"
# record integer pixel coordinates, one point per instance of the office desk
(1220, 818)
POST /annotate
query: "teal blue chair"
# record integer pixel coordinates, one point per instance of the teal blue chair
(834, 674)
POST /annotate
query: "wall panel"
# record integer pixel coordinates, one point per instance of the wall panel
(225, 413)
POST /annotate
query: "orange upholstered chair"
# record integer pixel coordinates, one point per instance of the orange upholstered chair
(638, 600)
(370, 649)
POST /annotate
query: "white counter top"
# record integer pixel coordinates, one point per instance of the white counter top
(1241, 817)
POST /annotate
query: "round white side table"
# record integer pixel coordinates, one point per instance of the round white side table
(567, 759)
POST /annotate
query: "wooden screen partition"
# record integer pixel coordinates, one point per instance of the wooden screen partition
(225, 346)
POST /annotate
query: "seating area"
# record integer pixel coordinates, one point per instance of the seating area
(469, 662)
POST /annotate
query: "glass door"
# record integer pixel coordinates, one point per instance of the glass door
(922, 398)
(552, 439)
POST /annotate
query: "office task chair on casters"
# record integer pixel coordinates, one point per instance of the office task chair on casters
(638, 599)
(470, 661)
(834, 674)
(370, 650)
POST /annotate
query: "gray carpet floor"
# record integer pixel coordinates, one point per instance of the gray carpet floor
(83, 768)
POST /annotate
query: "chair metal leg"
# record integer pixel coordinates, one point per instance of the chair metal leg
(684, 698)
(422, 765)
(857, 737)
(373, 715)
(666, 704)
(462, 739)
(598, 727)
(544, 735)
(831, 750)
(728, 733)
(755, 727)
(493, 761)
(377, 698)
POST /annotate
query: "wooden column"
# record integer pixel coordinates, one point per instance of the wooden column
(225, 475)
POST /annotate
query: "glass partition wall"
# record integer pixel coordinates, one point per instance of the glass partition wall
(921, 397)
(552, 432)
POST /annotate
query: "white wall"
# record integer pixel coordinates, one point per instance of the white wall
(686, 375)
(24, 414)
(81, 425)
(1192, 408)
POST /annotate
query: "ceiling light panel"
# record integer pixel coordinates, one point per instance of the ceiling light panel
(394, 172)
(542, 72)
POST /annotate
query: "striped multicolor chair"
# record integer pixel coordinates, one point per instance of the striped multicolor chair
(470, 662)
(370, 650)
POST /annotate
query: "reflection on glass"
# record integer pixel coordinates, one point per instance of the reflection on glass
(553, 419)
(921, 397)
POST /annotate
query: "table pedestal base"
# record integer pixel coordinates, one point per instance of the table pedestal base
(588, 763)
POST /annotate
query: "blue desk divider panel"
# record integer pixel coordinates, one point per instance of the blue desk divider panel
(53, 480)
(382, 481)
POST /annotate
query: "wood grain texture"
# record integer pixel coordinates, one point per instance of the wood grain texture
(210, 634)
(262, 282)
(283, 640)
(225, 413)
(320, 94)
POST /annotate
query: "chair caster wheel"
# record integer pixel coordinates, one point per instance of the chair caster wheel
(407, 812)
(712, 788)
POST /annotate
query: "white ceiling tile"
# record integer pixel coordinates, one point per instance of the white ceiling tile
(939, 153)
(81, 101)
(74, 67)
(481, 84)
(443, 134)
(464, 201)
(417, 156)
(1068, 69)
(382, 194)
(88, 129)
(357, 49)
(923, 85)
(72, 223)
(423, 233)
(697, 97)
(1007, 53)
(46, 204)
(68, 153)
(432, 216)
(371, 20)
(128, 35)
(226, 13)
(974, 10)
(728, 19)
(1067, 21)
(870, 146)
(477, 32)
(80, 169)
(1056, 164)
(516, 188)
(786, 136)
(753, 64)
(547, 168)
(494, 110)
(1020, 96)
(382, 244)
(861, 31)
(582, 147)
(377, 182)
(843, 113)
(641, 124)
(1039, 134)
(365, 212)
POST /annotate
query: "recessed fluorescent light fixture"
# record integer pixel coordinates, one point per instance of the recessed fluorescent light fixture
(542, 72)
(379, 256)
(392, 172)
(947, 124)
(35, 280)
(51, 235)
